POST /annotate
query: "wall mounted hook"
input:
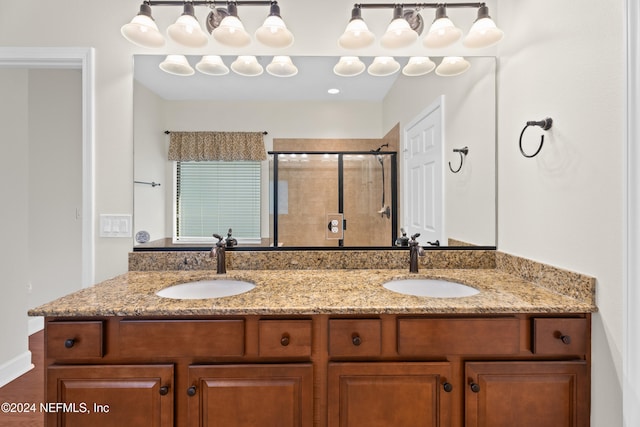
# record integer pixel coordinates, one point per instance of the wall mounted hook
(463, 153)
(545, 125)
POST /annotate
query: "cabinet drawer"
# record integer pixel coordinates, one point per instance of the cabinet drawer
(284, 338)
(182, 337)
(495, 336)
(75, 340)
(354, 337)
(560, 336)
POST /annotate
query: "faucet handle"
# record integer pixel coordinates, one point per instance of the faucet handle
(220, 242)
(415, 236)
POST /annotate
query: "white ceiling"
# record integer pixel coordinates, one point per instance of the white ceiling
(315, 76)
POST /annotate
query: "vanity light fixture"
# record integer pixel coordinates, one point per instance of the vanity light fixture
(231, 32)
(383, 66)
(274, 32)
(142, 30)
(222, 22)
(177, 65)
(407, 25)
(418, 66)
(442, 32)
(212, 65)
(357, 34)
(282, 66)
(452, 66)
(399, 33)
(186, 31)
(349, 66)
(247, 65)
(483, 32)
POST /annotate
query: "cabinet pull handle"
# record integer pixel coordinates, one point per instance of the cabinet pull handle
(447, 387)
(474, 387)
(164, 390)
(566, 339)
(191, 391)
(285, 340)
(355, 339)
(69, 343)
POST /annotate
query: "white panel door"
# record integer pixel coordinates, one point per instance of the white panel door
(423, 183)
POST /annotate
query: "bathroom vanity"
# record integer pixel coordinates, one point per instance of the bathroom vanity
(320, 348)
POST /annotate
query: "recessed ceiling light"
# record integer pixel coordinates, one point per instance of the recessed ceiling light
(333, 91)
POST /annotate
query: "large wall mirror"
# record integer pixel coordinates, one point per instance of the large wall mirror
(300, 116)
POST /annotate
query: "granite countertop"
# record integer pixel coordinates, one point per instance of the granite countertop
(304, 292)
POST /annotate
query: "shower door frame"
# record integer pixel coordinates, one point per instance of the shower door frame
(394, 192)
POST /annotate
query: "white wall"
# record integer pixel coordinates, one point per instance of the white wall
(14, 355)
(150, 164)
(55, 183)
(565, 60)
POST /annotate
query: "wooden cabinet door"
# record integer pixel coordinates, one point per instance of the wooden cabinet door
(389, 394)
(251, 395)
(105, 395)
(527, 394)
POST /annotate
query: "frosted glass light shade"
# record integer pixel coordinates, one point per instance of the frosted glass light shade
(176, 65)
(483, 33)
(452, 66)
(442, 32)
(349, 66)
(247, 65)
(186, 30)
(142, 30)
(399, 34)
(282, 66)
(231, 32)
(418, 66)
(356, 35)
(383, 66)
(212, 65)
(274, 33)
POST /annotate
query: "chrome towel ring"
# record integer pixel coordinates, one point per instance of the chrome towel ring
(545, 125)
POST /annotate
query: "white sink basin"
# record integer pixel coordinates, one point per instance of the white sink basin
(206, 289)
(435, 288)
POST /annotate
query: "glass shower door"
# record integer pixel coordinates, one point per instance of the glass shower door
(333, 199)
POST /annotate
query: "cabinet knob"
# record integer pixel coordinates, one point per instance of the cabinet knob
(285, 340)
(447, 387)
(566, 339)
(191, 391)
(69, 343)
(355, 339)
(164, 390)
(474, 387)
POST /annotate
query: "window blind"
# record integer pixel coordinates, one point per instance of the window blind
(213, 196)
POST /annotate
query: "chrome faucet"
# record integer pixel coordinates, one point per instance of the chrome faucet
(218, 253)
(415, 250)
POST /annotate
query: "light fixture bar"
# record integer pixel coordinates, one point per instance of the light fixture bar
(416, 5)
(208, 2)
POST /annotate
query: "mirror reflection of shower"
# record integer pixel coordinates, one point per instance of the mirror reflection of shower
(385, 209)
(340, 198)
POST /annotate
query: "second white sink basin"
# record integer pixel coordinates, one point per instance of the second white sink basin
(206, 289)
(435, 288)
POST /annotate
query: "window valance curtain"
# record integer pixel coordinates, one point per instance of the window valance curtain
(227, 146)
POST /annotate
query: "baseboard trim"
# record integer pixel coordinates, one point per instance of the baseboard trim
(36, 324)
(15, 367)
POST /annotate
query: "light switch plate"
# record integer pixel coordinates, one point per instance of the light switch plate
(118, 225)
